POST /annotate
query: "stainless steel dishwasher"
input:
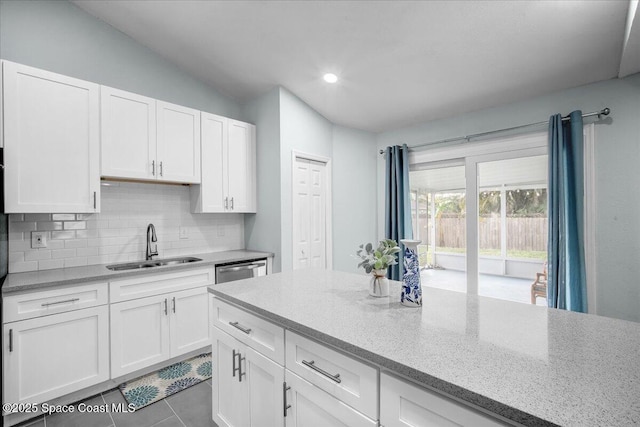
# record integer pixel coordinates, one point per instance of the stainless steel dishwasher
(231, 271)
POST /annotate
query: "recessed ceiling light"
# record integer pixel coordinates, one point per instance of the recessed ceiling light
(330, 78)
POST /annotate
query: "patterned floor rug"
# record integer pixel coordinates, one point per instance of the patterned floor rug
(156, 386)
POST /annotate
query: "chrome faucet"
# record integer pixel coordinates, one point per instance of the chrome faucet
(151, 237)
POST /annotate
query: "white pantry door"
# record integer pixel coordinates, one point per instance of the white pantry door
(309, 214)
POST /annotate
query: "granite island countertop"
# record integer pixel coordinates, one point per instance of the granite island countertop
(18, 282)
(529, 364)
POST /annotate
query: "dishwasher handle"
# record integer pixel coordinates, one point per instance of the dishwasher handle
(240, 268)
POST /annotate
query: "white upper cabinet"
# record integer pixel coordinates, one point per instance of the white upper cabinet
(146, 139)
(51, 142)
(228, 167)
(128, 134)
(241, 166)
(178, 147)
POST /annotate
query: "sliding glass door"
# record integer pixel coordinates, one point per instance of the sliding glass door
(439, 222)
(512, 226)
(497, 250)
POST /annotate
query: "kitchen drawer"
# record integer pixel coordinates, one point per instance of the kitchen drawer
(259, 334)
(53, 301)
(159, 283)
(346, 378)
(405, 404)
(307, 405)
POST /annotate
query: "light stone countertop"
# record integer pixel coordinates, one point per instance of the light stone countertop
(527, 363)
(18, 282)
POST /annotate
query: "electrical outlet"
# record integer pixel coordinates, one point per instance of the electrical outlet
(38, 239)
(183, 232)
(220, 230)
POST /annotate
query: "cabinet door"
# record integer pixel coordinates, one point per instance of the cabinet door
(128, 130)
(264, 381)
(210, 194)
(51, 138)
(178, 143)
(311, 406)
(47, 357)
(230, 406)
(139, 334)
(241, 167)
(189, 320)
(403, 404)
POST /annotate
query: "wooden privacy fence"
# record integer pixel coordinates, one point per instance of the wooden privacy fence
(524, 234)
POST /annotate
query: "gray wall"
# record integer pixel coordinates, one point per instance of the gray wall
(286, 124)
(263, 229)
(354, 195)
(60, 37)
(304, 130)
(618, 180)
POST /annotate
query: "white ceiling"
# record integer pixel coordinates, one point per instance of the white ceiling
(399, 63)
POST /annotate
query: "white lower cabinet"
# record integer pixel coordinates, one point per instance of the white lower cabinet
(317, 386)
(311, 406)
(49, 356)
(403, 404)
(248, 387)
(153, 329)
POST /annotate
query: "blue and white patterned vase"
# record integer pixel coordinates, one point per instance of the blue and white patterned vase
(411, 295)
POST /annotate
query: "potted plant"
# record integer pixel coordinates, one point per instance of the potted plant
(376, 261)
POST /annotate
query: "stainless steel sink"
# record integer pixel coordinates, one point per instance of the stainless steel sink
(152, 263)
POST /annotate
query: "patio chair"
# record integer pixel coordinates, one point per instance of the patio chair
(539, 287)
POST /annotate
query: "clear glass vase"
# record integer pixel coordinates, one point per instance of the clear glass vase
(379, 284)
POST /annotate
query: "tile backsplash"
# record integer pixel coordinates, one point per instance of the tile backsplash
(118, 232)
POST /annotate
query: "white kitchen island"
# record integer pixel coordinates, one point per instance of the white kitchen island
(523, 364)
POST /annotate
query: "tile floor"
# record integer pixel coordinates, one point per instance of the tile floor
(188, 408)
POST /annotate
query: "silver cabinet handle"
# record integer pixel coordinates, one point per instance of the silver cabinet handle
(243, 329)
(47, 304)
(239, 268)
(284, 397)
(312, 365)
(161, 169)
(10, 340)
(226, 203)
(233, 367)
(94, 200)
(166, 309)
(153, 167)
(174, 304)
(232, 203)
(240, 373)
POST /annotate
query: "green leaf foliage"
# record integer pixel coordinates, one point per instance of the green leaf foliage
(382, 257)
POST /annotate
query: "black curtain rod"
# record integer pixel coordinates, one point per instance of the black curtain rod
(603, 112)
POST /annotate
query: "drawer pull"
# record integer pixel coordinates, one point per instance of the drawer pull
(312, 365)
(284, 397)
(240, 373)
(234, 369)
(243, 329)
(47, 304)
(10, 340)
